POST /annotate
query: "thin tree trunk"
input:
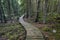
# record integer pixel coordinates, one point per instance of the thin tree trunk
(27, 15)
(3, 19)
(58, 8)
(45, 11)
(38, 9)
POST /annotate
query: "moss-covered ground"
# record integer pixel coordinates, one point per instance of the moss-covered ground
(12, 31)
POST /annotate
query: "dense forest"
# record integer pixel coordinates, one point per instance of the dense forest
(9, 10)
(41, 12)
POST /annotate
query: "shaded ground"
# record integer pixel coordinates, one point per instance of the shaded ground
(33, 33)
(12, 31)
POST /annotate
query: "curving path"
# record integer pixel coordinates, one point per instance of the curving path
(33, 33)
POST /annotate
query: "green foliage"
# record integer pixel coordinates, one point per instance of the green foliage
(52, 17)
(47, 29)
(11, 31)
(57, 34)
(9, 9)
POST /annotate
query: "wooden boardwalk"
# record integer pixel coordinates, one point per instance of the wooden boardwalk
(33, 33)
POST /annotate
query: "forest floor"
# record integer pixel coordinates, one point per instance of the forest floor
(33, 33)
(11, 31)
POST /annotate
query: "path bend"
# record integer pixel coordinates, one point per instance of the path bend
(33, 33)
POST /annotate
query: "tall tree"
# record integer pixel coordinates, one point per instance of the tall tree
(38, 11)
(45, 11)
(2, 15)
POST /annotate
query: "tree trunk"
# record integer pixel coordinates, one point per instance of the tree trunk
(2, 15)
(45, 11)
(38, 11)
